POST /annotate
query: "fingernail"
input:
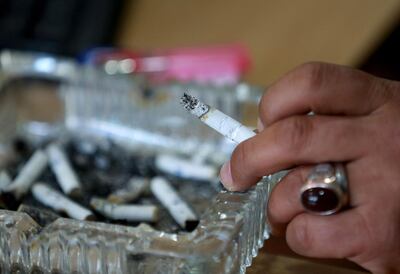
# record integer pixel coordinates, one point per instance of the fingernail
(260, 125)
(225, 176)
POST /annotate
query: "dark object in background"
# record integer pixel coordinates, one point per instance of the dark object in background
(65, 27)
(42, 216)
(385, 60)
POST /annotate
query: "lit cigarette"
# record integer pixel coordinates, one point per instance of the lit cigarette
(5, 179)
(133, 213)
(135, 187)
(216, 119)
(171, 200)
(237, 132)
(29, 173)
(66, 176)
(185, 168)
(57, 201)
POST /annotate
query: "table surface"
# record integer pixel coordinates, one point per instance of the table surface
(276, 258)
(273, 264)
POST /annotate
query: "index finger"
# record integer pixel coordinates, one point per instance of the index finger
(324, 89)
(294, 141)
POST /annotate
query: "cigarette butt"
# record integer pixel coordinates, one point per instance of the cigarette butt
(184, 168)
(57, 201)
(29, 173)
(5, 179)
(134, 188)
(135, 213)
(66, 176)
(171, 200)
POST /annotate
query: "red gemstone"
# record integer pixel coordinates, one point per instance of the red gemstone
(319, 199)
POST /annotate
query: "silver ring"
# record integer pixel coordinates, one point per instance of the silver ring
(325, 191)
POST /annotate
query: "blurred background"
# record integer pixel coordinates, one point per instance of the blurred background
(275, 35)
(222, 42)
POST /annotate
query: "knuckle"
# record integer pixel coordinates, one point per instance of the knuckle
(294, 134)
(240, 160)
(380, 91)
(265, 108)
(299, 237)
(282, 202)
(362, 244)
(311, 75)
(273, 207)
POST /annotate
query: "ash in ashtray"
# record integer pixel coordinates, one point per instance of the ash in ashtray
(100, 181)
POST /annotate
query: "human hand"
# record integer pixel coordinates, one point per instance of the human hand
(356, 121)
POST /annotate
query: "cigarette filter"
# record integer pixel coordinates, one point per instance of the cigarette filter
(57, 201)
(29, 173)
(185, 168)
(135, 187)
(171, 200)
(66, 176)
(134, 213)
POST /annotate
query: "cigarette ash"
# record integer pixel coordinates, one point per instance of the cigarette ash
(101, 178)
(194, 105)
(189, 102)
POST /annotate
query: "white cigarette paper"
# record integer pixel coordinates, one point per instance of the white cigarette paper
(135, 187)
(5, 180)
(219, 121)
(227, 126)
(57, 201)
(185, 168)
(66, 176)
(134, 213)
(29, 173)
(171, 200)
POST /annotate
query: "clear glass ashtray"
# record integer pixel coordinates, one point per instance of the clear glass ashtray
(44, 98)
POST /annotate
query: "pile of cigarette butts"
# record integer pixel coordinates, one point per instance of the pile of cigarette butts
(84, 180)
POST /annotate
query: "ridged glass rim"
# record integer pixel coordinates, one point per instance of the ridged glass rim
(218, 225)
